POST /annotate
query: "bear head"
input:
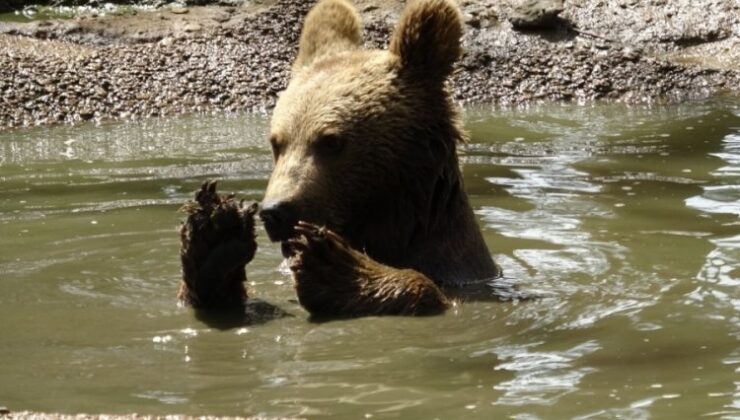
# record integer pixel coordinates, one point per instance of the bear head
(364, 140)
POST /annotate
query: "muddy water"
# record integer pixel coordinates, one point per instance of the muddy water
(625, 219)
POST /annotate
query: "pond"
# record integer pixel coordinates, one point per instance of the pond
(624, 219)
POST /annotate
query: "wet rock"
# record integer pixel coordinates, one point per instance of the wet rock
(631, 54)
(167, 41)
(87, 113)
(221, 17)
(192, 27)
(536, 14)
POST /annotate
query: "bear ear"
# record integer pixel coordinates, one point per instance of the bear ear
(427, 38)
(331, 26)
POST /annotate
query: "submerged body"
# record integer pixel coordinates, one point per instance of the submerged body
(366, 195)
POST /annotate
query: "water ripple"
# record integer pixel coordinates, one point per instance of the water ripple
(541, 378)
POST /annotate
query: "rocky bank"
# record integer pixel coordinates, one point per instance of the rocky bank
(177, 59)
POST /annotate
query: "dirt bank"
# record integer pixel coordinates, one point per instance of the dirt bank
(216, 58)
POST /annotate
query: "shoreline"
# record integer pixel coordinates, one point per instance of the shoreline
(204, 59)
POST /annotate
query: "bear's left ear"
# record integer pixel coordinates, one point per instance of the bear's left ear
(427, 39)
(330, 27)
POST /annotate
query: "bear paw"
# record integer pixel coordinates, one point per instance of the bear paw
(326, 270)
(217, 241)
(333, 279)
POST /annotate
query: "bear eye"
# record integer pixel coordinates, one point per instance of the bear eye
(276, 146)
(329, 144)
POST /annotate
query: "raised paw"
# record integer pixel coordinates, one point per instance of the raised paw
(319, 248)
(326, 270)
(217, 241)
(332, 279)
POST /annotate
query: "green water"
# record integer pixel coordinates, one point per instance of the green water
(626, 218)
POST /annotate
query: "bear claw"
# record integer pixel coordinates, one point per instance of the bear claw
(315, 244)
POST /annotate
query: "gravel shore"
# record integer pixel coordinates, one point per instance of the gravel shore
(211, 59)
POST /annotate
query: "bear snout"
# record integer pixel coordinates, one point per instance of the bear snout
(280, 219)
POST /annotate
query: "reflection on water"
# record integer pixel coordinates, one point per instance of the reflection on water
(624, 220)
(542, 378)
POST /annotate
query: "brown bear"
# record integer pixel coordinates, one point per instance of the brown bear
(366, 195)
(364, 144)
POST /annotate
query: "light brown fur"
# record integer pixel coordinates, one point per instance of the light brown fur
(365, 144)
(329, 27)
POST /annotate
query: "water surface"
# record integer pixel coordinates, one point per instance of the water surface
(625, 218)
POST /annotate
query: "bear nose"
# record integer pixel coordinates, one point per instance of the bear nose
(280, 219)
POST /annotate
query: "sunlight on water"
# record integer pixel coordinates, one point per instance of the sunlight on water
(624, 221)
(720, 274)
(542, 378)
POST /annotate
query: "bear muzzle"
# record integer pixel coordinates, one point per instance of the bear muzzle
(280, 219)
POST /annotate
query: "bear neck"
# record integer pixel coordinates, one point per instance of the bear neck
(451, 250)
(429, 225)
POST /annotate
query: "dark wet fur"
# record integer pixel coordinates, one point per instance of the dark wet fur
(217, 241)
(334, 280)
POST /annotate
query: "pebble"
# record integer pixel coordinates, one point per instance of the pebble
(536, 14)
(192, 27)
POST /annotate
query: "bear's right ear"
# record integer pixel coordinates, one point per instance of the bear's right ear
(427, 39)
(331, 26)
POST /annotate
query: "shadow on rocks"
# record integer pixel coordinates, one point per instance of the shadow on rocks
(557, 30)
